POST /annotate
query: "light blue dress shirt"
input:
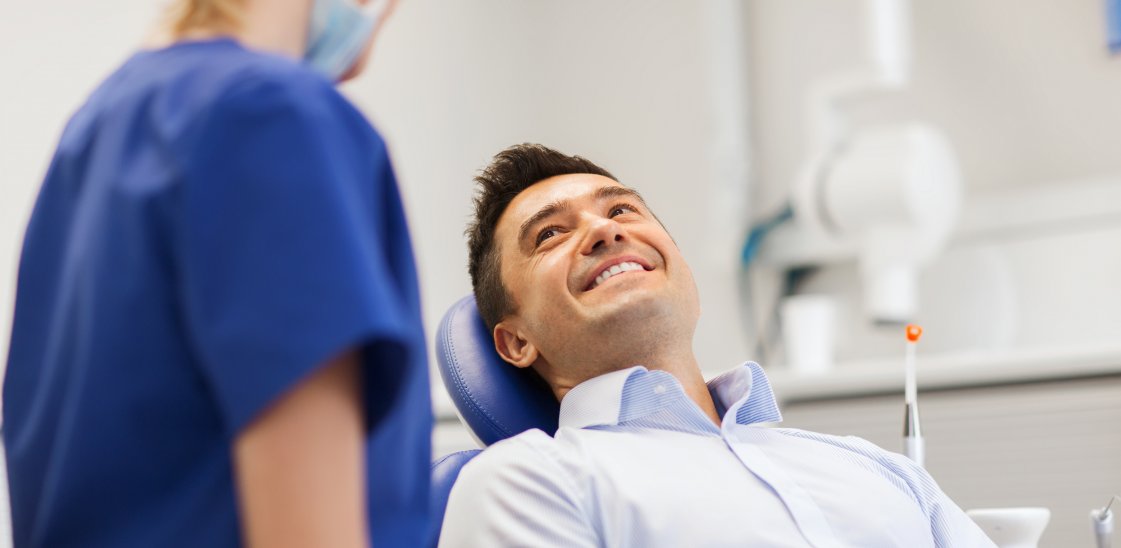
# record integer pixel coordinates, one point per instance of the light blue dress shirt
(636, 463)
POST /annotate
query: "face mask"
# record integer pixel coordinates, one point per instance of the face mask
(338, 34)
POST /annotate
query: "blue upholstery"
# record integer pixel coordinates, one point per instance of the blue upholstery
(495, 399)
(444, 472)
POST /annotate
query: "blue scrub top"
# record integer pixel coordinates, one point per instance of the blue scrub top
(215, 223)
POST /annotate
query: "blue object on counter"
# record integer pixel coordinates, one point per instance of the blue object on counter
(1113, 25)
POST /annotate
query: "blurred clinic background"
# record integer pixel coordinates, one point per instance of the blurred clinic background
(948, 162)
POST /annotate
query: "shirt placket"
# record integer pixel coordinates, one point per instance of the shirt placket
(742, 440)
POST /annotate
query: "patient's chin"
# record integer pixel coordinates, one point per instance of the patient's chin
(635, 314)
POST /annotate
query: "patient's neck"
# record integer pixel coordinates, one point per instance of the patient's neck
(684, 368)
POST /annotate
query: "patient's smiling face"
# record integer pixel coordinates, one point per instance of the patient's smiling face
(595, 279)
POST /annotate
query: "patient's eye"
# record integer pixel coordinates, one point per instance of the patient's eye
(545, 234)
(619, 209)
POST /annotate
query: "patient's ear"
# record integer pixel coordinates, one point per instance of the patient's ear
(512, 345)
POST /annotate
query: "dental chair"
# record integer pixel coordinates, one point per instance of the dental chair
(494, 399)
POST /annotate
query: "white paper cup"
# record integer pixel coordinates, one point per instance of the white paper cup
(808, 327)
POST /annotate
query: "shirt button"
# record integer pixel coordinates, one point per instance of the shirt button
(660, 389)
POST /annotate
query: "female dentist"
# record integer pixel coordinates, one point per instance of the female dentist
(217, 337)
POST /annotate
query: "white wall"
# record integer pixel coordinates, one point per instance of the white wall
(1026, 89)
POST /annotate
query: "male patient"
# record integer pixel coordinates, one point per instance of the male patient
(578, 280)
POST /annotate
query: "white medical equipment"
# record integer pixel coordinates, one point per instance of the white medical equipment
(885, 196)
(1102, 521)
(1012, 527)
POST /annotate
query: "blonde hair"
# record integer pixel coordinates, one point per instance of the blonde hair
(183, 16)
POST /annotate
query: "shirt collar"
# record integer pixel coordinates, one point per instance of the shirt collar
(746, 392)
(742, 395)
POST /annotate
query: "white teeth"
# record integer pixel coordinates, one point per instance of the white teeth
(615, 269)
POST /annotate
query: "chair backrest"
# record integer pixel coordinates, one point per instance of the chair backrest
(495, 399)
(444, 473)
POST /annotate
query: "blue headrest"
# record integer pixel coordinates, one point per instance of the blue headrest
(494, 398)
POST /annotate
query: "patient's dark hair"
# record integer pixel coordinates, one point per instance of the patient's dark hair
(512, 171)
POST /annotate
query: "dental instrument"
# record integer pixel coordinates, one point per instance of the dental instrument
(913, 445)
(1102, 520)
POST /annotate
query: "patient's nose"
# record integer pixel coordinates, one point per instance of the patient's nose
(601, 234)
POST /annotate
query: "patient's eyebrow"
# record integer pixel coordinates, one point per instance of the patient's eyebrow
(605, 192)
(554, 208)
